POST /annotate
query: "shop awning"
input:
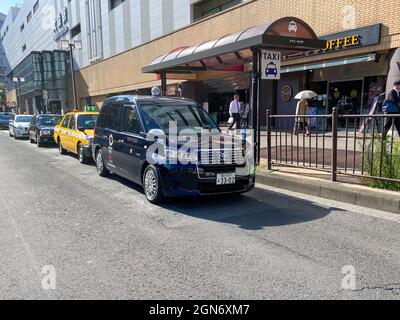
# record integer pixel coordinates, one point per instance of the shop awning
(287, 34)
(330, 63)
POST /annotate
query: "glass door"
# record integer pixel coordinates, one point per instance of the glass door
(346, 96)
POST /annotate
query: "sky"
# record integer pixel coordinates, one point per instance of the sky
(6, 4)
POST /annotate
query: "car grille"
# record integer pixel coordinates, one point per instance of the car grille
(221, 156)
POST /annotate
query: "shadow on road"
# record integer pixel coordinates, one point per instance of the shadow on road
(252, 211)
(255, 210)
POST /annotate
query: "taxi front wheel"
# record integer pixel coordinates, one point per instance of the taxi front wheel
(81, 154)
(101, 168)
(152, 185)
(61, 148)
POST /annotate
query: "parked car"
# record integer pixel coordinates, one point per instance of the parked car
(129, 127)
(5, 118)
(19, 126)
(41, 128)
(75, 134)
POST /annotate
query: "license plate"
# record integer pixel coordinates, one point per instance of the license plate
(225, 178)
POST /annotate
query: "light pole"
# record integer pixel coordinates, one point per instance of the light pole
(18, 81)
(66, 45)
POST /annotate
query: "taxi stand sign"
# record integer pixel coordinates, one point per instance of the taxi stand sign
(270, 65)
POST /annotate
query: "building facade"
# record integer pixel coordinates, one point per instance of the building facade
(120, 37)
(4, 81)
(363, 38)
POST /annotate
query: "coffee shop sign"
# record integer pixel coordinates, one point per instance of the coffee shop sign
(61, 24)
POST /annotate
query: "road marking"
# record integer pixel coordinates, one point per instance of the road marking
(336, 204)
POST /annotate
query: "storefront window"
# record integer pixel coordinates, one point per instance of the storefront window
(207, 8)
(346, 97)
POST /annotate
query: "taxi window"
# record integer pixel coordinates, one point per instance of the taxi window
(65, 121)
(72, 123)
(131, 121)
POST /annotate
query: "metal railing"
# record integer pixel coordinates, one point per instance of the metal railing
(354, 145)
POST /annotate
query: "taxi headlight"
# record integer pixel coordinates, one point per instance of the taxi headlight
(89, 140)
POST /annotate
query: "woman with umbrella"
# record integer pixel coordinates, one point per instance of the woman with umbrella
(301, 110)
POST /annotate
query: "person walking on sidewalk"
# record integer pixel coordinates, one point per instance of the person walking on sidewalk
(391, 106)
(234, 111)
(301, 110)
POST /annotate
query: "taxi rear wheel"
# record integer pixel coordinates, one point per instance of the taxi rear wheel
(100, 166)
(152, 185)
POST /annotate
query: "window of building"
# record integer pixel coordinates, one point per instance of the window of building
(23, 47)
(22, 27)
(29, 17)
(207, 8)
(75, 31)
(93, 30)
(36, 7)
(115, 3)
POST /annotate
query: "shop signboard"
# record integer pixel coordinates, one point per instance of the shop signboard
(270, 65)
(61, 24)
(364, 36)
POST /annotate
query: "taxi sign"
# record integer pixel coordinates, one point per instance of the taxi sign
(270, 65)
(89, 109)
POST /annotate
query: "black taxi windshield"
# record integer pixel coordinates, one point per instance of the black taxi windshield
(49, 120)
(183, 117)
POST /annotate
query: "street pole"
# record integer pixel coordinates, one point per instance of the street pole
(71, 57)
(255, 106)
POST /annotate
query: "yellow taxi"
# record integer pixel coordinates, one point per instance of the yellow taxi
(75, 134)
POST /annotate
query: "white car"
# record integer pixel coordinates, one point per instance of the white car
(19, 127)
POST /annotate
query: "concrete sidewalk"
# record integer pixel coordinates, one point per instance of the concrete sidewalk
(318, 184)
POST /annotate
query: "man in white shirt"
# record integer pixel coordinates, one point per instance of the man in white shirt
(234, 111)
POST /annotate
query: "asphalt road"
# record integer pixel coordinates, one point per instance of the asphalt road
(105, 241)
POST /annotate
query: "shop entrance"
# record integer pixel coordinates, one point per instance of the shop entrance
(219, 104)
(346, 96)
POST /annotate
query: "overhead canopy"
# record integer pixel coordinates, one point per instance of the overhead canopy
(289, 35)
(331, 63)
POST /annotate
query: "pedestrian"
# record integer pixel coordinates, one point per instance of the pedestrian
(391, 106)
(301, 110)
(234, 112)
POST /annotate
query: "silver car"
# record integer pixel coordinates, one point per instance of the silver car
(19, 127)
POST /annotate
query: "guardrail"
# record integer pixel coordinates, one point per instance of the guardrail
(353, 145)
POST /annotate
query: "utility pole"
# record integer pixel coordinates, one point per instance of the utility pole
(65, 44)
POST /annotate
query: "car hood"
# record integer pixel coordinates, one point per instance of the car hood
(22, 124)
(89, 133)
(219, 139)
(41, 127)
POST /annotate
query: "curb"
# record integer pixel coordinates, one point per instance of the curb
(353, 194)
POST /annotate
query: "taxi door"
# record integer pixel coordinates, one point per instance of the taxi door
(70, 135)
(62, 130)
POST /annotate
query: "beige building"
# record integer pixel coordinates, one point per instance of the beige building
(362, 37)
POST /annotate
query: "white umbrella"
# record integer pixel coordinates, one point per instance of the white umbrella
(307, 94)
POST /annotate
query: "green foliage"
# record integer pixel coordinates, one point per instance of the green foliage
(377, 151)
